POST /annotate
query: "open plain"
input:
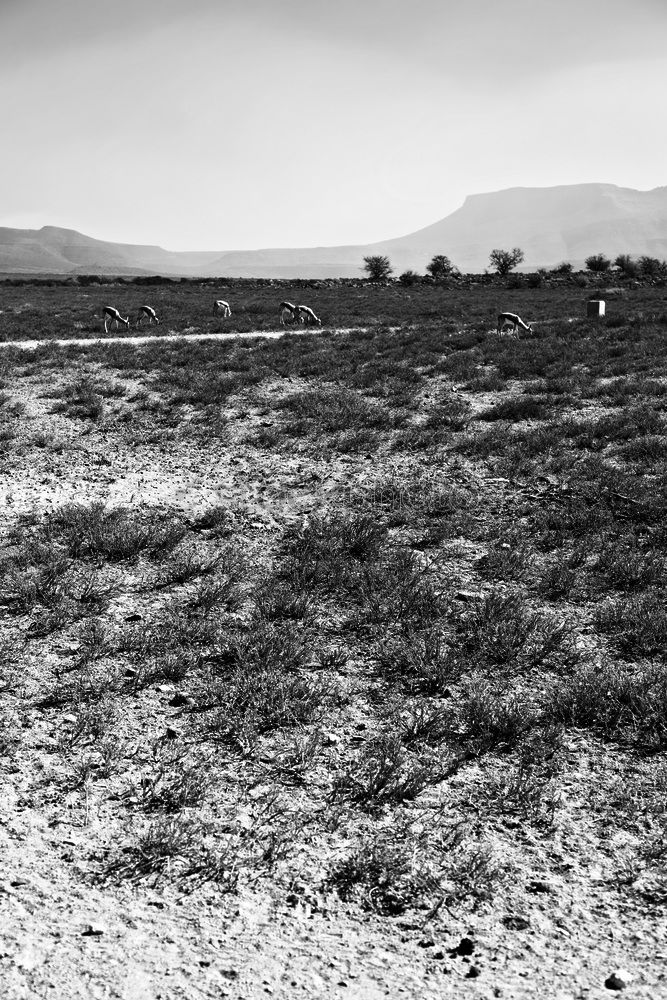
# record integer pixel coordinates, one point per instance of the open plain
(334, 665)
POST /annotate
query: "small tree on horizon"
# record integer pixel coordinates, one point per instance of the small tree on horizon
(564, 268)
(504, 261)
(378, 268)
(598, 263)
(651, 267)
(440, 267)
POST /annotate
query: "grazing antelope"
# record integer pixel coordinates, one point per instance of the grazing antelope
(306, 315)
(288, 313)
(222, 308)
(147, 312)
(511, 319)
(112, 314)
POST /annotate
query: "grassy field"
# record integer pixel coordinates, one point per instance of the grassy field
(335, 665)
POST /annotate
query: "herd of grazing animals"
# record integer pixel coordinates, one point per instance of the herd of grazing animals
(288, 312)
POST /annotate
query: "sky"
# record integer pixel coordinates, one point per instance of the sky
(240, 124)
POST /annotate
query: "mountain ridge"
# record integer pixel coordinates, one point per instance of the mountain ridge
(550, 224)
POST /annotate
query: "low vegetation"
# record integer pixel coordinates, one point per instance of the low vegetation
(381, 612)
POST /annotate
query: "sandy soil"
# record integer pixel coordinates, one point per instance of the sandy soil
(67, 936)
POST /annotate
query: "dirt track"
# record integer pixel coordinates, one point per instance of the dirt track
(148, 338)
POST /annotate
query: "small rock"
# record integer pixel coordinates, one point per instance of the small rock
(93, 930)
(133, 618)
(516, 923)
(473, 972)
(537, 885)
(469, 595)
(171, 733)
(465, 947)
(180, 699)
(331, 739)
(618, 980)
(426, 943)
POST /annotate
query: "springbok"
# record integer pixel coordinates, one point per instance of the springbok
(112, 314)
(147, 312)
(221, 308)
(511, 319)
(306, 315)
(288, 313)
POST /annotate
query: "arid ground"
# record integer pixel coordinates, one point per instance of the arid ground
(334, 665)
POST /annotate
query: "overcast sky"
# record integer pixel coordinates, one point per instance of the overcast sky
(234, 124)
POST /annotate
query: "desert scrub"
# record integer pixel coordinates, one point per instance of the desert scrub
(81, 400)
(413, 498)
(517, 408)
(396, 590)
(616, 700)
(418, 661)
(508, 558)
(502, 631)
(334, 410)
(115, 534)
(386, 773)
(257, 682)
(637, 626)
(387, 875)
(624, 564)
(322, 553)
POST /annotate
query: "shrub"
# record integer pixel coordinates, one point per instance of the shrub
(115, 534)
(516, 408)
(419, 661)
(504, 261)
(598, 263)
(440, 267)
(378, 267)
(616, 700)
(385, 774)
(385, 876)
(638, 626)
(503, 631)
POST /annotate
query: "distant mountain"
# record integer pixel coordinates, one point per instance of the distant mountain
(551, 225)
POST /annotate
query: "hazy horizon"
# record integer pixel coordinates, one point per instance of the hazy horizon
(246, 124)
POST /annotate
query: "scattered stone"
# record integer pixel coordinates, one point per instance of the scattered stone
(469, 595)
(93, 930)
(426, 942)
(465, 947)
(516, 923)
(537, 885)
(331, 739)
(618, 980)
